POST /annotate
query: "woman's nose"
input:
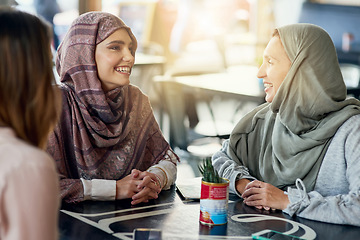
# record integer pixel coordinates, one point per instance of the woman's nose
(128, 57)
(261, 72)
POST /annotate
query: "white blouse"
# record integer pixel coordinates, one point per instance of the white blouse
(29, 190)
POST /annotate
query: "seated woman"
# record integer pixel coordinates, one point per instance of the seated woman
(299, 152)
(29, 110)
(107, 144)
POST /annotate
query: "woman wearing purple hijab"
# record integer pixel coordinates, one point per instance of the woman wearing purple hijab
(107, 144)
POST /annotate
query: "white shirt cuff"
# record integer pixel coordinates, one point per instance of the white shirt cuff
(99, 189)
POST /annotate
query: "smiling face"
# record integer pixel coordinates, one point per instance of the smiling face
(114, 60)
(276, 65)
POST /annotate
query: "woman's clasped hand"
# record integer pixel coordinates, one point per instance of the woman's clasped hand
(263, 195)
(139, 186)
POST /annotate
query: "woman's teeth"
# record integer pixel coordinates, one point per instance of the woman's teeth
(267, 85)
(123, 69)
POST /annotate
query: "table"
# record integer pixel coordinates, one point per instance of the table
(178, 219)
(149, 59)
(238, 83)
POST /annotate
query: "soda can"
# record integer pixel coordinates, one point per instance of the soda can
(214, 202)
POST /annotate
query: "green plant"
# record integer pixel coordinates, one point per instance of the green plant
(208, 172)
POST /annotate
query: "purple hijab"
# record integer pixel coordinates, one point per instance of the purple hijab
(100, 135)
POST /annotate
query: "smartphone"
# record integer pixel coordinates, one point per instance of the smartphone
(147, 234)
(268, 234)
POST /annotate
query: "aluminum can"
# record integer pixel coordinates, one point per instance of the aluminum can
(214, 202)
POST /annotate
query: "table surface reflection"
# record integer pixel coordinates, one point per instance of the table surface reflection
(178, 219)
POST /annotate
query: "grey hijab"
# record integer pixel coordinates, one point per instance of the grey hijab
(287, 139)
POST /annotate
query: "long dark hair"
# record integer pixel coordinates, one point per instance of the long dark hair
(29, 101)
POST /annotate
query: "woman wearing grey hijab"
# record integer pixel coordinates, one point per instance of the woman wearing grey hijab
(299, 152)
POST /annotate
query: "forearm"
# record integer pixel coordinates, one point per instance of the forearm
(228, 168)
(339, 209)
(166, 170)
(71, 190)
(99, 189)
(241, 185)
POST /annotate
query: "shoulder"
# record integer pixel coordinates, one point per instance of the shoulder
(17, 154)
(345, 143)
(348, 132)
(136, 89)
(137, 93)
(27, 172)
(350, 126)
(347, 135)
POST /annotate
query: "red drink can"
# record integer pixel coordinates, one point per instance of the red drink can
(214, 202)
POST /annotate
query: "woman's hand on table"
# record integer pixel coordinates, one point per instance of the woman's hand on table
(264, 195)
(149, 187)
(140, 186)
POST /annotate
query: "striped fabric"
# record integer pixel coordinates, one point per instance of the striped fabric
(100, 135)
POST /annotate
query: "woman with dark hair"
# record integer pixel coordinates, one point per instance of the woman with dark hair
(107, 144)
(29, 109)
(299, 152)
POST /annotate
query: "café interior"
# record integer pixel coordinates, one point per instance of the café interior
(190, 51)
(197, 60)
(207, 42)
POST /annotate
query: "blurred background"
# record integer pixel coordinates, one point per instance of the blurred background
(197, 59)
